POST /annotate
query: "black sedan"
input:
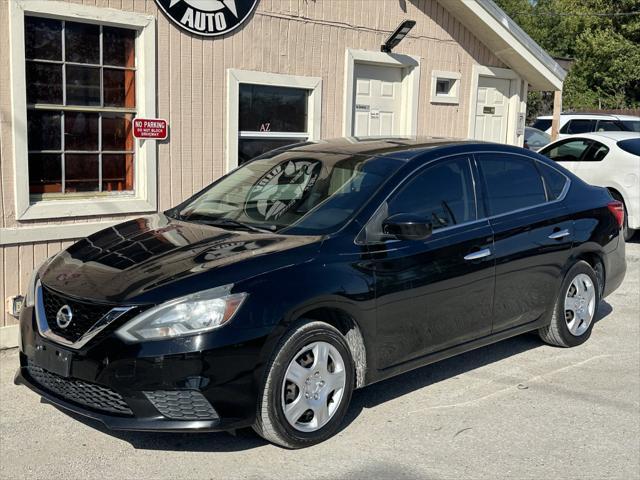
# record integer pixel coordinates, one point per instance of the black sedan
(268, 297)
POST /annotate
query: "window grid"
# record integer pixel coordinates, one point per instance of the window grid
(80, 108)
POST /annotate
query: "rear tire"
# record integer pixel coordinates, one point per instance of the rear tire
(575, 309)
(307, 388)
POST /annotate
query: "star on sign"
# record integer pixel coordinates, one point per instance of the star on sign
(209, 5)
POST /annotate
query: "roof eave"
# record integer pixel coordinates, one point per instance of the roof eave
(493, 27)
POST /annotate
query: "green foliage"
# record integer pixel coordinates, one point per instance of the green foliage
(604, 46)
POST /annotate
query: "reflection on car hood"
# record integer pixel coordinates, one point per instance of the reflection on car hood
(144, 259)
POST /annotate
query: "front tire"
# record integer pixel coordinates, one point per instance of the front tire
(575, 309)
(307, 388)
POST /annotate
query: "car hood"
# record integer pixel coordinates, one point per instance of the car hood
(156, 258)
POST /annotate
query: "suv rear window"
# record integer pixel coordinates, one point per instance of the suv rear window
(542, 124)
(632, 146)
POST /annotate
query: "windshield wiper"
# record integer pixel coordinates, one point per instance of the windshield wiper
(227, 222)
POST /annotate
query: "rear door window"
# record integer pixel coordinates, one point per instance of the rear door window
(554, 181)
(596, 153)
(569, 151)
(610, 126)
(578, 126)
(511, 182)
(632, 125)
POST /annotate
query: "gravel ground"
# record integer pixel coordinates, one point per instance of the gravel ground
(517, 409)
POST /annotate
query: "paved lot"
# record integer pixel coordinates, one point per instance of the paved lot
(518, 409)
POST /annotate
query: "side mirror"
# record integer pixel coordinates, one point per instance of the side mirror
(405, 226)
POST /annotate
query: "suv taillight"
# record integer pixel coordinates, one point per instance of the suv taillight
(617, 209)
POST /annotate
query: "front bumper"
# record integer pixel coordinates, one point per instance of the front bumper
(205, 385)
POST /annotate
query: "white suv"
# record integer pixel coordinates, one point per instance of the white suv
(578, 123)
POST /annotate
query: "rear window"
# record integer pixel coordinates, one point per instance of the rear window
(542, 124)
(632, 146)
(632, 125)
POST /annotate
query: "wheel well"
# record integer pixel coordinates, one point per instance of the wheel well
(616, 194)
(352, 334)
(597, 264)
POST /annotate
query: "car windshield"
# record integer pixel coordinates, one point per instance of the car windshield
(300, 192)
(632, 125)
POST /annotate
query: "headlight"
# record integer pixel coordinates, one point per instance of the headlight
(189, 315)
(30, 296)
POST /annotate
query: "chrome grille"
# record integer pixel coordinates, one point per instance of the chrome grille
(85, 314)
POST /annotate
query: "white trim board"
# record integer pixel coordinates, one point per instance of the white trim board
(235, 77)
(145, 180)
(46, 233)
(9, 336)
(410, 85)
(515, 103)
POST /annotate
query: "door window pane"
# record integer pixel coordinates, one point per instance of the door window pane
(44, 83)
(81, 131)
(43, 130)
(553, 180)
(118, 46)
(81, 173)
(83, 85)
(45, 173)
(442, 194)
(116, 132)
(274, 109)
(610, 126)
(570, 151)
(511, 183)
(119, 88)
(578, 126)
(249, 148)
(82, 42)
(42, 38)
(596, 153)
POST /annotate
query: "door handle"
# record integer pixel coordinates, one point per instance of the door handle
(559, 234)
(485, 252)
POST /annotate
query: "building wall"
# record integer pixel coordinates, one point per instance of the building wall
(297, 37)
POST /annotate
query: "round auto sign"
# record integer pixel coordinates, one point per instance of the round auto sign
(208, 17)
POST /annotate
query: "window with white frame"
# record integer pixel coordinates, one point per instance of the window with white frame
(80, 80)
(268, 111)
(445, 87)
(270, 117)
(79, 75)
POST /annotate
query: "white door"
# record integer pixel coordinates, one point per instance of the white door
(492, 109)
(377, 106)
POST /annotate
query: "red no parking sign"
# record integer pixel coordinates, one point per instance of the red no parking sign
(150, 128)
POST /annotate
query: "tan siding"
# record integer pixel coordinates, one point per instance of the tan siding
(283, 36)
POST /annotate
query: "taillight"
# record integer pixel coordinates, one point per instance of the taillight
(617, 209)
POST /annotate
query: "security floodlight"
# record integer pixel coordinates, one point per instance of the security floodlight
(396, 37)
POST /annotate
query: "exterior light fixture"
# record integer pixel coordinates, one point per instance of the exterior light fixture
(396, 37)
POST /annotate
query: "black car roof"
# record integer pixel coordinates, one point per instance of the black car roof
(397, 147)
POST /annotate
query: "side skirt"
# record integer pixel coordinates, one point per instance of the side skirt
(453, 351)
